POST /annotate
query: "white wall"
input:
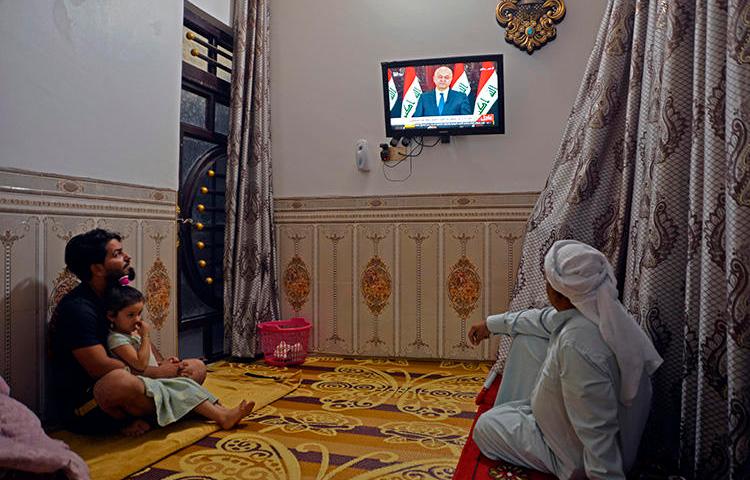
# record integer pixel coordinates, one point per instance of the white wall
(219, 9)
(91, 88)
(326, 93)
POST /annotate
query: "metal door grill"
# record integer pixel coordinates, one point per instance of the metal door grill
(204, 126)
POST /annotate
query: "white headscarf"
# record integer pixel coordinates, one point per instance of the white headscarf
(583, 274)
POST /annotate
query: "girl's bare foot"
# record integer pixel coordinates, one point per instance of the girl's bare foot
(137, 428)
(234, 415)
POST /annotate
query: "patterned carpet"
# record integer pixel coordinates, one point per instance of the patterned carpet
(349, 419)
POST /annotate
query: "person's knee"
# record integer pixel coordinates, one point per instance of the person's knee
(197, 369)
(482, 431)
(116, 389)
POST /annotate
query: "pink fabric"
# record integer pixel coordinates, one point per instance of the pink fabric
(24, 446)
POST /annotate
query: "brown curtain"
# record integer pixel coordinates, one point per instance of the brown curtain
(654, 170)
(250, 289)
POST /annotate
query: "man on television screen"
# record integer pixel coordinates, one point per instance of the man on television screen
(442, 100)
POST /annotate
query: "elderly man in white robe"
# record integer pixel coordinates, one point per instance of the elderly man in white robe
(576, 389)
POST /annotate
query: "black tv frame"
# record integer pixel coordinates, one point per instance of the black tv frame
(499, 127)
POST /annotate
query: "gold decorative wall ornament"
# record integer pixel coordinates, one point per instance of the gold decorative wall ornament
(530, 24)
(464, 287)
(297, 283)
(63, 284)
(158, 287)
(376, 285)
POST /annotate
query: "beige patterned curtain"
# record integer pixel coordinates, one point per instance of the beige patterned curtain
(654, 170)
(250, 288)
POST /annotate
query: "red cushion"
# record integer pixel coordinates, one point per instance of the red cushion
(475, 466)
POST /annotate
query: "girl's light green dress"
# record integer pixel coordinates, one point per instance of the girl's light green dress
(173, 397)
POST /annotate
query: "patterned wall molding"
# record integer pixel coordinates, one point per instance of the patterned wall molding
(40, 193)
(400, 276)
(39, 213)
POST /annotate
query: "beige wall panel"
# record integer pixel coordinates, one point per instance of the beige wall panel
(158, 273)
(417, 318)
(296, 276)
(504, 252)
(418, 279)
(336, 328)
(376, 287)
(464, 281)
(22, 328)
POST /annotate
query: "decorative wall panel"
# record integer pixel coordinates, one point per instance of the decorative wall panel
(39, 213)
(402, 276)
(336, 305)
(418, 291)
(463, 267)
(298, 275)
(375, 290)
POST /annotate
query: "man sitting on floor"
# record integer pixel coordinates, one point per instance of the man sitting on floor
(576, 390)
(96, 392)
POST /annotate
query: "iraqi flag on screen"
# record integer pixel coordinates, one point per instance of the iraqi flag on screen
(412, 92)
(460, 80)
(392, 92)
(487, 90)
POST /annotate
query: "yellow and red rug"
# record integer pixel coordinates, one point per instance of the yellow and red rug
(349, 419)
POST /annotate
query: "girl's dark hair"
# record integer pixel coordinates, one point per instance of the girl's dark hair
(122, 296)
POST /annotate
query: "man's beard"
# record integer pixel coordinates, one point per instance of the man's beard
(117, 278)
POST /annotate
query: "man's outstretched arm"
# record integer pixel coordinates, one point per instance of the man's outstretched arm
(526, 322)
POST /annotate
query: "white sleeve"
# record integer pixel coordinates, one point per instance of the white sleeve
(526, 322)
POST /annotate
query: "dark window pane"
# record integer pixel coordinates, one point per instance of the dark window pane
(193, 109)
(192, 150)
(222, 119)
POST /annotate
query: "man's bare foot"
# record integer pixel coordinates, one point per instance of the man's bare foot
(233, 416)
(136, 428)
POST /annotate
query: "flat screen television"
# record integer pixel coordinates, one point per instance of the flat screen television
(444, 96)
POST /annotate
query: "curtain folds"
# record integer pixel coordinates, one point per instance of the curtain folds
(654, 170)
(250, 287)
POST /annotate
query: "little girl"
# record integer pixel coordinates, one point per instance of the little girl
(173, 397)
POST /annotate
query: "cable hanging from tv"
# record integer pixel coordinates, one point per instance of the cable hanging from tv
(417, 146)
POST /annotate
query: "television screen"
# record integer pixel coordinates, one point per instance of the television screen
(444, 96)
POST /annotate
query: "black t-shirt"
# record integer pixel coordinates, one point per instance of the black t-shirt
(79, 321)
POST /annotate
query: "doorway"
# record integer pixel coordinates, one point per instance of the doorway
(204, 127)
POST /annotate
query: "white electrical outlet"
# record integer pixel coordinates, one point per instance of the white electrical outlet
(360, 155)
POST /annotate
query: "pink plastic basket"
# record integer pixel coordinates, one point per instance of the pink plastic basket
(284, 342)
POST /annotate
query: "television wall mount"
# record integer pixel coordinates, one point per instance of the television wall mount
(530, 24)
